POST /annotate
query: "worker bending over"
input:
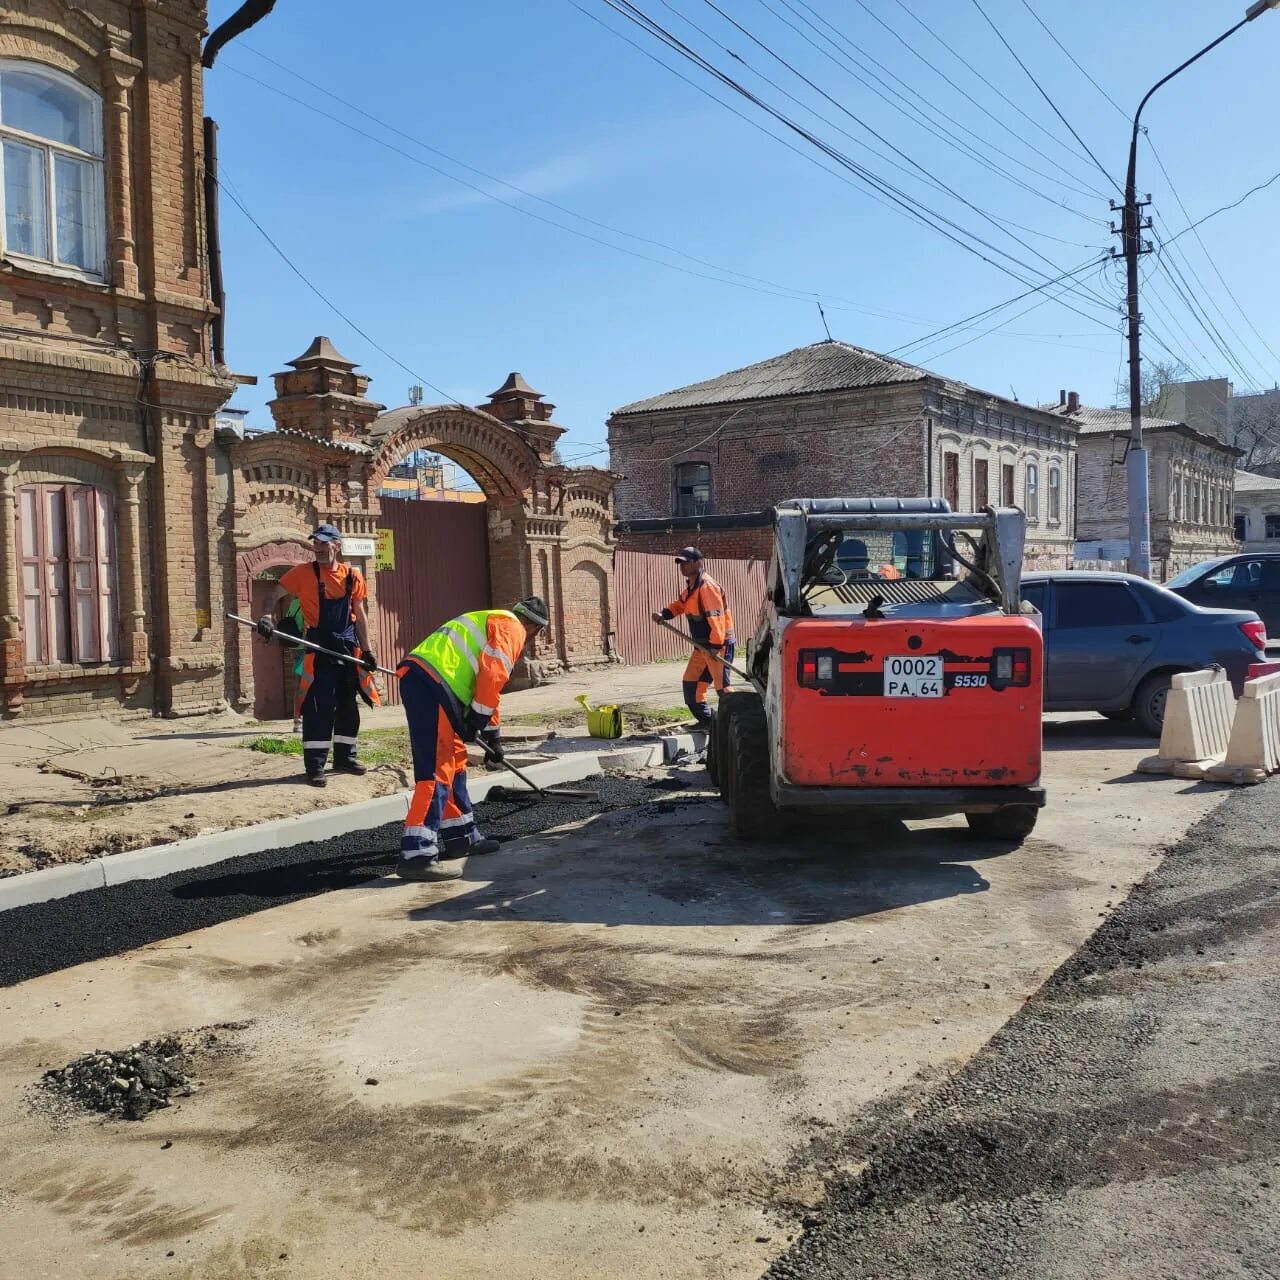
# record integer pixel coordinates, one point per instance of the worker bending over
(710, 623)
(451, 685)
(332, 596)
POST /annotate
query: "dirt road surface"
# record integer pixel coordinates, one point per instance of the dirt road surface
(616, 1050)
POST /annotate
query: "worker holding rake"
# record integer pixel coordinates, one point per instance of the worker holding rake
(451, 685)
(702, 603)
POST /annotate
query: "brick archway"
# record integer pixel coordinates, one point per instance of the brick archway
(503, 464)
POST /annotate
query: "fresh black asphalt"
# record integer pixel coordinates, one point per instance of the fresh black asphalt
(49, 936)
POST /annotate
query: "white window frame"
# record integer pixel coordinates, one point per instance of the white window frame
(1031, 483)
(1053, 493)
(52, 149)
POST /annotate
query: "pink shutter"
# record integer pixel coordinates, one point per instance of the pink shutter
(108, 601)
(32, 570)
(82, 555)
(54, 539)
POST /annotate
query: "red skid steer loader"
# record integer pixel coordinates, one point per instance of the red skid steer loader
(895, 671)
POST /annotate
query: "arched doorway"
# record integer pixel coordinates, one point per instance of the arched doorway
(445, 542)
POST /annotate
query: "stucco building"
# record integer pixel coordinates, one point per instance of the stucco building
(1257, 516)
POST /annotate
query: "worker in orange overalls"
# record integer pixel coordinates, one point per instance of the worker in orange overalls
(451, 685)
(332, 596)
(710, 623)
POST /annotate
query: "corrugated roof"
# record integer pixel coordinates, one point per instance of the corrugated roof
(1251, 482)
(1102, 421)
(824, 366)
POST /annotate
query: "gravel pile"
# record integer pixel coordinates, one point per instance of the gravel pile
(131, 1083)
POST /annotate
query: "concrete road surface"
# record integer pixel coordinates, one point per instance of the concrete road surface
(608, 1051)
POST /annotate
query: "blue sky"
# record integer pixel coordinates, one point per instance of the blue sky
(462, 289)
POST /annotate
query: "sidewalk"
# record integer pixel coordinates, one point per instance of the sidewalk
(77, 789)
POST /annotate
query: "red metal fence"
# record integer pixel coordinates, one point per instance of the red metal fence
(442, 570)
(646, 583)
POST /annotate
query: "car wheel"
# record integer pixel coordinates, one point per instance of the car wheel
(1149, 702)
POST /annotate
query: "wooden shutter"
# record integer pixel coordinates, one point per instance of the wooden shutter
(108, 600)
(951, 479)
(82, 558)
(1007, 496)
(31, 569)
(53, 511)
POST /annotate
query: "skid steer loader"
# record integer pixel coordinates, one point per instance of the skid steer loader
(895, 670)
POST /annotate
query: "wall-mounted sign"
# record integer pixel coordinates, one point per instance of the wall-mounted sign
(385, 557)
(357, 548)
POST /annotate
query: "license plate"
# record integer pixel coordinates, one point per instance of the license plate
(913, 677)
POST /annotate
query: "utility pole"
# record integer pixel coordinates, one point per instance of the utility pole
(1131, 228)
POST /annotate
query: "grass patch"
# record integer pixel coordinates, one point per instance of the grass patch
(377, 746)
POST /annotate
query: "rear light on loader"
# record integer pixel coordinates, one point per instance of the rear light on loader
(1255, 633)
(1010, 668)
(808, 671)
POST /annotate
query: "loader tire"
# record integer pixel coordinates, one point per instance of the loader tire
(1014, 823)
(745, 773)
(718, 738)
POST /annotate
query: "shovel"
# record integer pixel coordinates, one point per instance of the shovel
(308, 644)
(498, 793)
(707, 649)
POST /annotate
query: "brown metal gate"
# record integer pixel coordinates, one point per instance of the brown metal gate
(644, 583)
(441, 570)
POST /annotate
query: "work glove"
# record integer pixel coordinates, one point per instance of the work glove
(491, 741)
(266, 626)
(370, 662)
(472, 723)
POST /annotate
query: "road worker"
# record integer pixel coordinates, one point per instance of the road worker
(702, 603)
(451, 685)
(332, 597)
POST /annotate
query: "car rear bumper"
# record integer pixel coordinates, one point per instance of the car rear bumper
(916, 802)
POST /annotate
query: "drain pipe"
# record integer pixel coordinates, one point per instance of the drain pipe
(213, 232)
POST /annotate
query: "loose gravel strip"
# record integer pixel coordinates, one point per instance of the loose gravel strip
(1125, 1123)
(48, 936)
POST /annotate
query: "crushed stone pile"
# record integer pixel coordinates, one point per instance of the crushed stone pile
(131, 1083)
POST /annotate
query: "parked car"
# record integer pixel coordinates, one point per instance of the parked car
(1235, 582)
(1114, 641)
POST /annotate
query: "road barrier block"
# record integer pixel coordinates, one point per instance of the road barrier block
(1254, 749)
(1197, 725)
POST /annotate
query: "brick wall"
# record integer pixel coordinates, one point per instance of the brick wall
(72, 389)
(902, 441)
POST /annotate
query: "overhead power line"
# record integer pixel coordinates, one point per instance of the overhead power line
(1205, 250)
(852, 64)
(329, 302)
(1026, 5)
(1045, 95)
(913, 208)
(980, 77)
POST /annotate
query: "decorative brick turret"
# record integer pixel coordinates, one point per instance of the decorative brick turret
(324, 396)
(521, 407)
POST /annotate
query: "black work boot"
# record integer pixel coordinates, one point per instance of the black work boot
(350, 766)
(461, 849)
(317, 780)
(425, 869)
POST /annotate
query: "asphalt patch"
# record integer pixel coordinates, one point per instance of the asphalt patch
(48, 936)
(974, 1177)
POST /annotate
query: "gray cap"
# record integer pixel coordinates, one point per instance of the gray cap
(533, 609)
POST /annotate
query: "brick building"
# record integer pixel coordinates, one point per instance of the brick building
(1191, 487)
(703, 463)
(129, 519)
(108, 388)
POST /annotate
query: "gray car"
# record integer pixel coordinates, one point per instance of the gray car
(1113, 642)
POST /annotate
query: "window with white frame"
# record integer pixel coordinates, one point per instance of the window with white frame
(1055, 495)
(1033, 491)
(66, 549)
(51, 155)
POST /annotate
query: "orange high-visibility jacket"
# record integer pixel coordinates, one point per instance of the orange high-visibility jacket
(703, 603)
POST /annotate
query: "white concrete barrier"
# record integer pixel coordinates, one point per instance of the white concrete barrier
(1254, 749)
(1197, 725)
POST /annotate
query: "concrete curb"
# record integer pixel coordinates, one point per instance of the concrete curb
(203, 851)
